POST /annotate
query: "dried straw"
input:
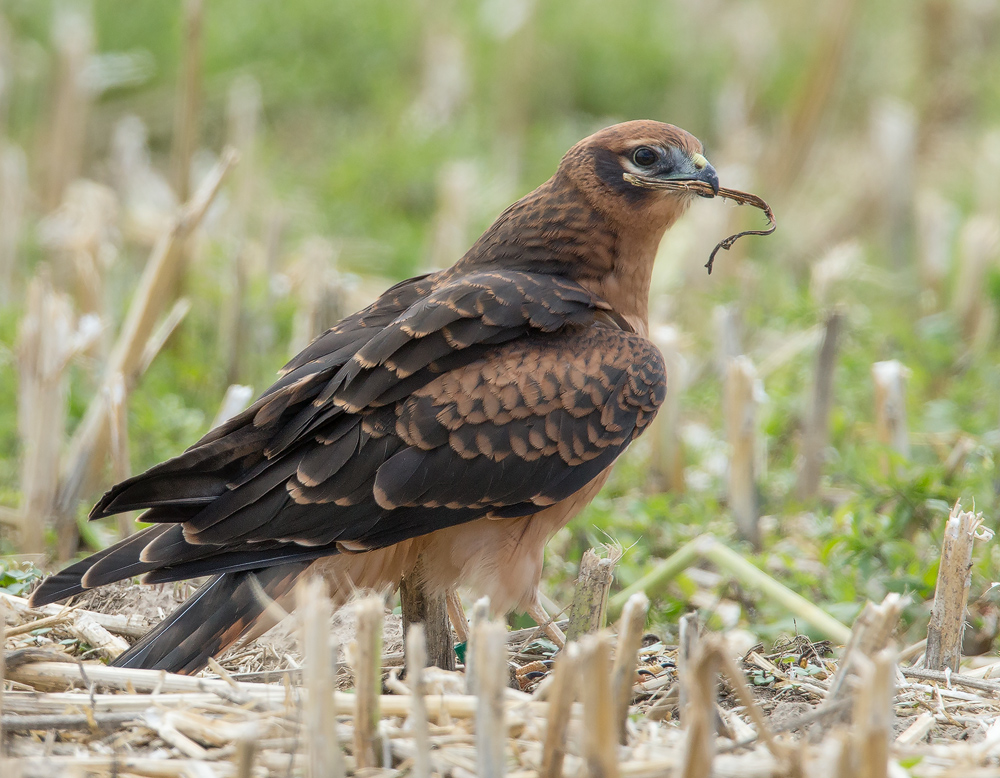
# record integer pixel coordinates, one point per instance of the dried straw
(416, 663)
(705, 190)
(490, 646)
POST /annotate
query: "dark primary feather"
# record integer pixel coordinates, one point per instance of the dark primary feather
(122, 558)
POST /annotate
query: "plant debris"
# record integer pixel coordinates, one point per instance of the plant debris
(705, 190)
(65, 715)
(790, 705)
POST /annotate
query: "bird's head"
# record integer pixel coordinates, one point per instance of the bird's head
(600, 218)
(618, 169)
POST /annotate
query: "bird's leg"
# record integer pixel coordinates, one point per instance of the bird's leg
(429, 608)
(457, 615)
(547, 623)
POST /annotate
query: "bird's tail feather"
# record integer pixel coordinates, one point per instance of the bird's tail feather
(213, 619)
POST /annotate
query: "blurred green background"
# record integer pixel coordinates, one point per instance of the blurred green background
(378, 139)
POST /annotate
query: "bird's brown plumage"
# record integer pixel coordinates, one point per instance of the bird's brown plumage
(466, 415)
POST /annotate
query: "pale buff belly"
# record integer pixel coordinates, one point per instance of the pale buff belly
(498, 558)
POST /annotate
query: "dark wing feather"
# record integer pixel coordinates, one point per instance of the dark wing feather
(122, 556)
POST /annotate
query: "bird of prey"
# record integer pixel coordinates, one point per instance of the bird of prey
(465, 416)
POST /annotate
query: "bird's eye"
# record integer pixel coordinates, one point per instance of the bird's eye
(644, 156)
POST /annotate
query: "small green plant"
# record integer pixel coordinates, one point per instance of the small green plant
(17, 577)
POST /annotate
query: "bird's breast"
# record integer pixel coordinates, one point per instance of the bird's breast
(501, 558)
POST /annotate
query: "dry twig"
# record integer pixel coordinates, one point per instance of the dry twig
(700, 681)
(129, 356)
(870, 634)
(131, 626)
(416, 663)
(367, 680)
(705, 190)
(633, 622)
(741, 431)
(890, 408)
(599, 745)
(325, 758)
(873, 715)
(490, 646)
(590, 599)
(951, 595)
(561, 696)
(816, 435)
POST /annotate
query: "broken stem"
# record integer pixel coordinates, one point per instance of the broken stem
(705, 190)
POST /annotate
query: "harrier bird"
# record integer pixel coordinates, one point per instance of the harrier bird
(465, 416)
